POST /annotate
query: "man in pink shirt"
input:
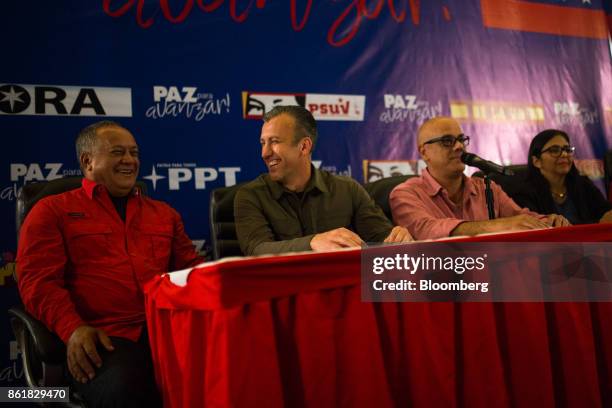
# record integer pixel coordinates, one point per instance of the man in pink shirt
(444, 202)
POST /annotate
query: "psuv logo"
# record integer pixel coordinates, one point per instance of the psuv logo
(64, 100)
(322, 106)
(179, 174)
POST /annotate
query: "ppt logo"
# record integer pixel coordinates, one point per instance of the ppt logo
(175, 175)
(18, 99)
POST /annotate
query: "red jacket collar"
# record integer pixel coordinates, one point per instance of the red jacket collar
(90, 186)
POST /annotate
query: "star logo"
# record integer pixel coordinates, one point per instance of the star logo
(154, 177)
(586, 2)
(13, 99)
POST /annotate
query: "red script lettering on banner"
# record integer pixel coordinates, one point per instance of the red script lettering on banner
(341, 32)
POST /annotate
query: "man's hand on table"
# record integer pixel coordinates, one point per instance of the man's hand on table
(399, 234)
(521, 222)
(335, 239)
(556, 220)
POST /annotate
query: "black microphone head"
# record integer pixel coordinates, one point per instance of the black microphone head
(467, 158)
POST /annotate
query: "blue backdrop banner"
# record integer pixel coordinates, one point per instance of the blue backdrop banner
(192, 78)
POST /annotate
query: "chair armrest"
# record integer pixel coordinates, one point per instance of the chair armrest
(48, 346)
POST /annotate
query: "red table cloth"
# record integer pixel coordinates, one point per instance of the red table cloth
(292, 331)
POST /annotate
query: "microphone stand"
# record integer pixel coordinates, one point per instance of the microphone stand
(486, 167)
(489, 197)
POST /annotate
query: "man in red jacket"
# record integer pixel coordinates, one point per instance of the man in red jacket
(83, 259)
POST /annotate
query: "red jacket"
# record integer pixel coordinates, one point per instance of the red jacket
(79, 263)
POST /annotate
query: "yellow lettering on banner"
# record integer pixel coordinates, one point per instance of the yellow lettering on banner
(477, 112)
(496, 111)
(517, 113)
(499, 113)
(459, 111)
(6, 271)
(533, 115)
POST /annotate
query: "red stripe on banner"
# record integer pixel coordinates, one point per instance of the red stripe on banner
(544, 18)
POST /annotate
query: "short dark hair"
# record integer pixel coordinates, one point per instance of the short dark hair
(86, 140)
(535, 149)
(305, 124)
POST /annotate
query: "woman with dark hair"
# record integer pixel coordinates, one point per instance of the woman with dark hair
(553, 184)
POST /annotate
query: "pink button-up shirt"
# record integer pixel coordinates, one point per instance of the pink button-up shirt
(422, 205)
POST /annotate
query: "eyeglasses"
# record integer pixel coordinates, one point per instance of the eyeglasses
(450, 140)
(556, 150)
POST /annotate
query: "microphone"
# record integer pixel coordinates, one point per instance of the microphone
(485, 165)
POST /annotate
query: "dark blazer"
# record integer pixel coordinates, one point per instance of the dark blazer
(589, 201)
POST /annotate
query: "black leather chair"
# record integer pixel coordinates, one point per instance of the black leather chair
(42, 352)
(608, 174)
(379, 190)
(510, 184)
(223, 237)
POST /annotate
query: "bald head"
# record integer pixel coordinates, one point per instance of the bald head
(438, 126)
(443, 161)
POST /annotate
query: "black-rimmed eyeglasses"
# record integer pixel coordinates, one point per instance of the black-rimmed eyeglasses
(556, 150)
(450, 140)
